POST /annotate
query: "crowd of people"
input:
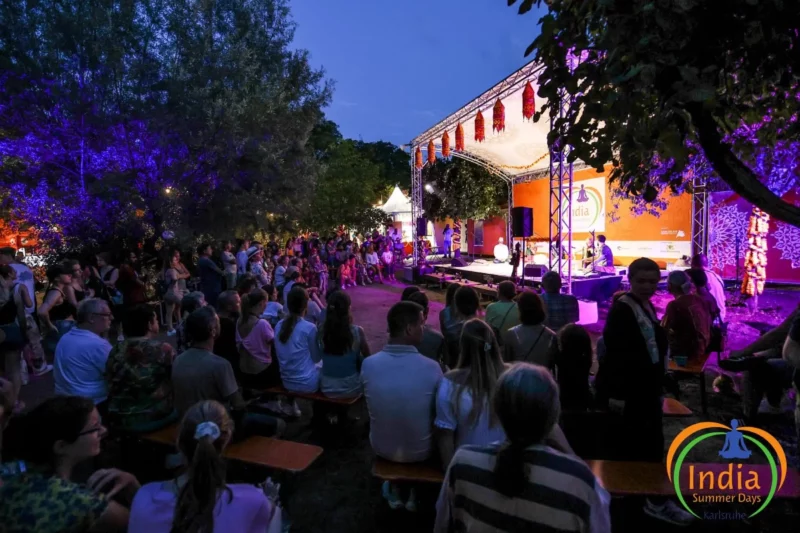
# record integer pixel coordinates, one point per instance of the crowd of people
(499, 398)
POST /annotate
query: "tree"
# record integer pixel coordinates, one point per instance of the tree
(654, 86)
(393, 165)
(345, 192)
(196, 114)
(462, 190)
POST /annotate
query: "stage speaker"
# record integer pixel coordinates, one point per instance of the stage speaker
(522, 222)
(535, 271)
(422, 227)
(458, 262)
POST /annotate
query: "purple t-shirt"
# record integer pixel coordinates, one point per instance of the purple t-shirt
(245, 509)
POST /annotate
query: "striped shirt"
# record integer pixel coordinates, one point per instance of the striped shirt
(562, 495)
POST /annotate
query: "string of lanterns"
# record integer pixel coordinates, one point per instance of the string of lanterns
(498, 125)
(526, 167)
(755, 259)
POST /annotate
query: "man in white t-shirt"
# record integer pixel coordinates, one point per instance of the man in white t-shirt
(241, 256)
(400, 388)
(33, 352)
(229, 264)
(715, 285)
(82, 352)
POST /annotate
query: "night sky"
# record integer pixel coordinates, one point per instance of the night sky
(400, 67)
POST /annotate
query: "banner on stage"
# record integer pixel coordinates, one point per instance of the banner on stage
(657, 249)
(589, 205)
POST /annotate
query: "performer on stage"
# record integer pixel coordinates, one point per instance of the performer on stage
(604, 255)
(448, 239)
(500, 251)
(515, 259)
(588, 252)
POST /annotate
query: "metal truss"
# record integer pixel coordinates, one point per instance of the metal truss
(506, 87)
(700, 208)
(561, 172)
(416, 204)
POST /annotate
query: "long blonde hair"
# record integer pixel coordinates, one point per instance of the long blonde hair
(478, 369)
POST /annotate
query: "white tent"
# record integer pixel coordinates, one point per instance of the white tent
(397, 204)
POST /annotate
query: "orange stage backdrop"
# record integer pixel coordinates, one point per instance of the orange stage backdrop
(664, 239)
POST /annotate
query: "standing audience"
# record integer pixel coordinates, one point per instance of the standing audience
(687, 321)
(210, 274)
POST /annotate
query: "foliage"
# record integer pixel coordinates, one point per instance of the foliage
(345, 192)
(394, 165)
(462, 190)
(128, 120)
(656, 87)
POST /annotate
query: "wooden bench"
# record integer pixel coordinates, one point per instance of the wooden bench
(673, 408)
(263, 451)
(315, 396)
(694, 368)
(620, 478)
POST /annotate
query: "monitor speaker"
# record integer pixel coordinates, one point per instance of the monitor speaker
(422, 227)
(458, 262)
(522, 222)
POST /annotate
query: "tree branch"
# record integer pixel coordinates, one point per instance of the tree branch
(730, 168)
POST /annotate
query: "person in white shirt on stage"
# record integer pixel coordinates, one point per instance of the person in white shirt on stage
(500, 251)
(448, 239)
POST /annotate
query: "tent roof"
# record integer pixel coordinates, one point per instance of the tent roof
(519, 150)
(397, 202)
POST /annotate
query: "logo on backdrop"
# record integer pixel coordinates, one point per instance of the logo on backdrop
(588, 205)
(732, 488)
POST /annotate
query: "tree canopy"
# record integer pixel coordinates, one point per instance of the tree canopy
(659, 88)
(462, 190)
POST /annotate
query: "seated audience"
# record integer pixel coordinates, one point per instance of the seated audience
(408, 291)
(274, 310)
(247, 283)
(190, 303)
(55, 436)
(229, 308)
(463, 411)
(387, 263)
(466, 304)
(632, 375)
(561, 309)
(531, 341)
(687, 320)
(400, 388)
(296, 346)
(138, 374)
(715, 284)
(254, 337)
(765, 372)
(700, 282)
(530, 482)
(200, 499)
(347, 277)
(447, 316)
(573, 365)
(199, 375)
(344, 347)
(432, 345)
(82, 353)
(503, 314)
(373, 263)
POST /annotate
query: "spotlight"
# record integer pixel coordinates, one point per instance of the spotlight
(429, 187)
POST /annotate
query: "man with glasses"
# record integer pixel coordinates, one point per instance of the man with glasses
(82, 352)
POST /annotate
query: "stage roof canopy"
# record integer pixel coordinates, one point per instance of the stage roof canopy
(519, 150)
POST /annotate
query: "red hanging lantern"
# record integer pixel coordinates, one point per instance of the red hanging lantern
(480, 134)
(528, 102)
(446, 145)
(431, 152)
(460, 138)
(498, 117)
(418, 158)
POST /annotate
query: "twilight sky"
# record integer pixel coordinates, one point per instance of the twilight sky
(401, 66)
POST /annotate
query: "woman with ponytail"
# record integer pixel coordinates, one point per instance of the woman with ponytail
(530, 482)
(254, 337)
(296, 346)
(687, 320)
(343, 346)
(463, 413)
(199, 500)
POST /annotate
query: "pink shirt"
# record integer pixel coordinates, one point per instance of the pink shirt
(259, 341)
(245, 509)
